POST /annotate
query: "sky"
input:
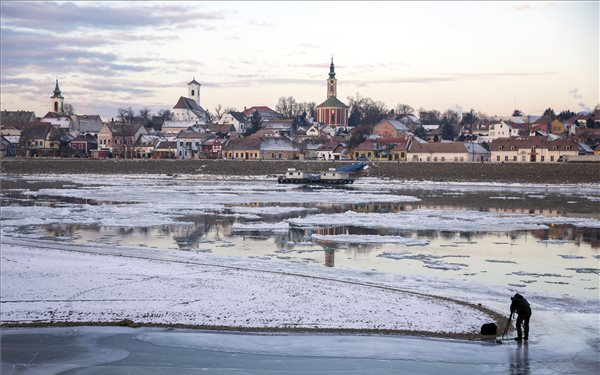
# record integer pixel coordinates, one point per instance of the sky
(489, 56)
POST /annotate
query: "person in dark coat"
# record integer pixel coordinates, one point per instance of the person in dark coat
(521, 306)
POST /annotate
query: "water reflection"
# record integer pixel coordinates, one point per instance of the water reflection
(519, 361)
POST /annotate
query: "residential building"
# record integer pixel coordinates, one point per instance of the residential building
(85, 124)
(189, 143)
(165, 150)
(7, 148)
(16, 119)
(237, 119)
(120, 138)
(144, 146)
(531, 150)
(332, 111)
(387, 128)
(447, 152)
(40, 139)
(82, 145)
(280, 149)
(332, 150)
(242, 149)
(266, 113)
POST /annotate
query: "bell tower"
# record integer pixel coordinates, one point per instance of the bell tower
(331, 81)
(194, 90)
(57, 100)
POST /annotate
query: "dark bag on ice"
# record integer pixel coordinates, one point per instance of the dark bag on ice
(489, 329)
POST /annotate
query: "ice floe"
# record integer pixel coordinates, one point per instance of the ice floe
(429, 260)
(420, 219)
(554, 242)
(585, 270)
(568, 256)
(351, 238)
(533, 274)
(260, 227)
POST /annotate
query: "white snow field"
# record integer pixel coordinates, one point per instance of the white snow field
(50, 285)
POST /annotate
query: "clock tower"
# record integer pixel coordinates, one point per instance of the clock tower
(331, 81)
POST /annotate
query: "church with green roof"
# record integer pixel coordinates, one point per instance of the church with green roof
(332, 111)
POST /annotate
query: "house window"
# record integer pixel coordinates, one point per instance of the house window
(498, 158)
(429, 158)
(552, 158)
(443, 158)
(435, 158)
(568, 148)
(499, 148)
(512, 148)
(506, 158)
(193, 93)
(554, 148)
(514, 158)
(542, 158)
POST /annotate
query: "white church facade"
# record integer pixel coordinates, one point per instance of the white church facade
(187, 111)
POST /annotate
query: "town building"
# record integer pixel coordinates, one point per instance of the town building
(532, 150)
(447, 152)
(390, 128)
(120, 138)
(332, 111)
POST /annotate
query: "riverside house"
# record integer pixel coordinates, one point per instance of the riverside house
(40, 139)
(120, 138)
(531, 150)
(447, 152)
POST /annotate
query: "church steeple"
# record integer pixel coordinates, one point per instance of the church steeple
(331, 69)
(57, 100)
(331, 81)
(56, 92)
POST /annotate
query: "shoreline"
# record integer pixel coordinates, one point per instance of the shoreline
(268, 330)
(556, 173)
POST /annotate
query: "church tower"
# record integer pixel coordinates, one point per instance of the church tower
(56, 100)
(331, 81)
(332, 111)
(194, 91)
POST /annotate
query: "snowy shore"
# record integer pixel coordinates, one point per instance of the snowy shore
(51, 283)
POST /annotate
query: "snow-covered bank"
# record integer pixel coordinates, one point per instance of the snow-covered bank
(47, 285)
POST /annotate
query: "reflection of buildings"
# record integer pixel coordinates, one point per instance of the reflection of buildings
(329, 257)
(570, 233)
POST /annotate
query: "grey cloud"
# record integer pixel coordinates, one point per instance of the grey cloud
(116, 15)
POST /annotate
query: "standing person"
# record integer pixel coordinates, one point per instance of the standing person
(521, 306)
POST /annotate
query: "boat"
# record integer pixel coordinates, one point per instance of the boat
(333, 176)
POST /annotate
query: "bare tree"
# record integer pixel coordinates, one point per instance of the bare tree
(145, 113)
(69, 109)
(165, 114)
(403, 109)
(219, 112)
(288, 107)
(310, 108)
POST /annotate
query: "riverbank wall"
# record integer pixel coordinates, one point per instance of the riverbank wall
(555, 173)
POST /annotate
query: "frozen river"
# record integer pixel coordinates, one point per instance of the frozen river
(526, 238)
(475, 242)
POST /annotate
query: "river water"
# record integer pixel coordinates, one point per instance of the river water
(527, 238)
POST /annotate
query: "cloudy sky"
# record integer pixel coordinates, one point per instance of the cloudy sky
(458, 55)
